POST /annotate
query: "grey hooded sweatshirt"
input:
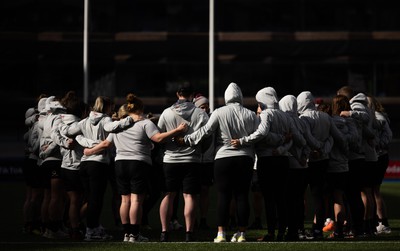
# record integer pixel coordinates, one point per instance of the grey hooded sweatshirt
(170, 118)
(301, 147)
(365, 118)
(90, 131)
(272, 121)
(49, 147)
(231, 121)
(384, 133)
(319, 123)
(338, 156)
(71, 157)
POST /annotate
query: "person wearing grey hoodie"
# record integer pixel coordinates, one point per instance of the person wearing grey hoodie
(93, 168)
(362, 160)
(72, 154)
(51, 163)
(303, 143)
(324, 130)
(338, 169)
(181, 164)
(233, 167)
(272, 160)
(207, 176)
(384, 136)
(34, 192)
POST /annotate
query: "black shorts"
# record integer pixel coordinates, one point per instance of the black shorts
(336, 181)
(51, 170)
(356, 170)
(72, 180)
(185, 176)
(380, 171)
(207, 174)
(367, 177)
(132, 176)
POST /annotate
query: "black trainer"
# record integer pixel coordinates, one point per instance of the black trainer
(164, 237)
(189, 237)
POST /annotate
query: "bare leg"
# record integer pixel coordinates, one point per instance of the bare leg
(136, 209)
(124, 208)
(166, 208)
(189, 211)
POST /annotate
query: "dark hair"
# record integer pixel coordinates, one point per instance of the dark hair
(325, 107)
(185, 89)
(73, 104)
(340, 103)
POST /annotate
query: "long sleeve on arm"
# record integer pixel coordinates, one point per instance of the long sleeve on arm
(85, 142)
(262, 130)
(119, 125)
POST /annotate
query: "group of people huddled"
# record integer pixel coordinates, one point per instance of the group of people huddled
(338, 150)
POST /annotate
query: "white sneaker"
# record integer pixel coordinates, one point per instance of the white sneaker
(138, 238)
(235, 237)
(238, 237)
(382, 229)
(126, 238)
(46, 233)
(219, 239)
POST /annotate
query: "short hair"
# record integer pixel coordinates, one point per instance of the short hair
(185, 90)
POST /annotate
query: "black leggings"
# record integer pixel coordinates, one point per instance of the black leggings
(273, 176)
(317, 175)
(353, 195)
(94, 178)
(232, 178)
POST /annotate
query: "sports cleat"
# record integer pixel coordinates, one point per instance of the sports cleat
(382, 229)
(189, 237)
(46, 233)
(59, 234)
(241, 238)
(126, 238)
(238, 237)
(329, 227)
(219, 239)
(235, 237)
(96, 234)
(164, 237)
(137, 238)
(317, 234)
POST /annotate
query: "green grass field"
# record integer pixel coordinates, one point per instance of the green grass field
(11, 237)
